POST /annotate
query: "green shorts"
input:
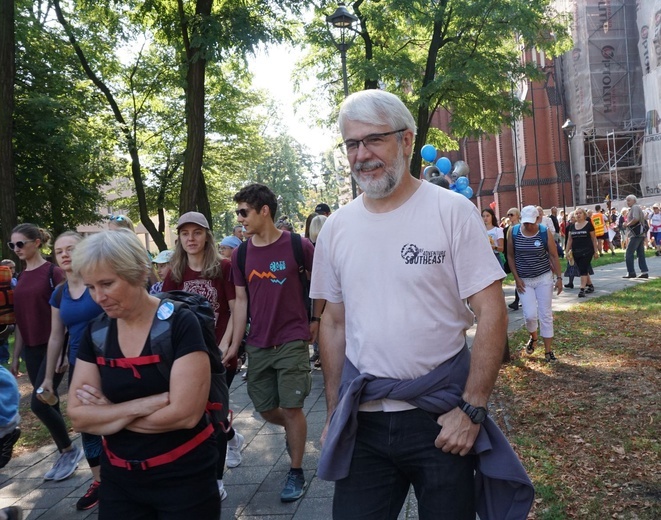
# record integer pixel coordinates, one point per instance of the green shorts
(279, 377)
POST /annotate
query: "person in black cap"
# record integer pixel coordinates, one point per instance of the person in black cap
(322, 209)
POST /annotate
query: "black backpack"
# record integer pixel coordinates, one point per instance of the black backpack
(297, 247)
(160, 337)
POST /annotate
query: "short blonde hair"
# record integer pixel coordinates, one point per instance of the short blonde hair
(120, 250)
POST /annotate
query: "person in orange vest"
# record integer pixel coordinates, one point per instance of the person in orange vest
(599, 224)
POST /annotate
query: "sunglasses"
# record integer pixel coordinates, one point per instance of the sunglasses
(511, 214)
(117, 218)
(20, 244)
(243, 212)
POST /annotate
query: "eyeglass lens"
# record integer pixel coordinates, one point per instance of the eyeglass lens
(243, 212)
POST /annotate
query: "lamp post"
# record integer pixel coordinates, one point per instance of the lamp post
(341, 28)
(569, 128)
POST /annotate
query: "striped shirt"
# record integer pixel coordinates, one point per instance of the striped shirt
(530, 256)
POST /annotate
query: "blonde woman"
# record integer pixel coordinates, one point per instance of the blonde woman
(582, 242)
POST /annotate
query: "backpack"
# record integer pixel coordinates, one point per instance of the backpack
(516, 229)
(7, 316)
(297, 247)
(160, 337)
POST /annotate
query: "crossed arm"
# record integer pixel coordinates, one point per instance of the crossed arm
(180, 408)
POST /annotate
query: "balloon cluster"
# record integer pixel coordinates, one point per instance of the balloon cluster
(457, 177)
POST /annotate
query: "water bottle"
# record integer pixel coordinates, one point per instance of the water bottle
(46, 396)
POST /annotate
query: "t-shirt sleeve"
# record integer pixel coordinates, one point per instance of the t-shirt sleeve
(56, 297)
(58, 275)
(590, 227)
(186, 334)
(86, 347)
(499, 233)
(325, 283)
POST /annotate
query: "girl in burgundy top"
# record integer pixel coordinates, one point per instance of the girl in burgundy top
(33, 325)
(196, 267)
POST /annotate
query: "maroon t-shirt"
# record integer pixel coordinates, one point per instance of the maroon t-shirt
(31, 296)
(277, 309)
(219, 291)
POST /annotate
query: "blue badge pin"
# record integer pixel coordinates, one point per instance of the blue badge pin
(537, 243)
(165, 310)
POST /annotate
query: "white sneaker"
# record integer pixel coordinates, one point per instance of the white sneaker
(222, 490)
(233, 458)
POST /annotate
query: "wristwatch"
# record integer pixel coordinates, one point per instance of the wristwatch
(477, 414)
(315, 318)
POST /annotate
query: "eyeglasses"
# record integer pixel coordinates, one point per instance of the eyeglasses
(118, 218)
(371, 142)
(20, 244)
(243, 212)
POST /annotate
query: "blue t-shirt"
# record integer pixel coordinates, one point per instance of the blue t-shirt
(75, 314)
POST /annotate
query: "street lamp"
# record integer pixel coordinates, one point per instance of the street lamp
(341, 28)
(569, 128)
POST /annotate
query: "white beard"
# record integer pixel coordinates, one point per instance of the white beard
(382, 187)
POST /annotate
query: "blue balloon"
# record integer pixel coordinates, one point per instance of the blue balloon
(467, 192)
(430, 172)
(428, 153)
(453, 187)
(444, 165)
(462, 182)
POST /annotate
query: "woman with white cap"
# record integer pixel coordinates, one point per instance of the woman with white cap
(533, 259)
(196, 267)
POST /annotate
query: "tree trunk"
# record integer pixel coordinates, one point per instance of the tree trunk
(136, 170)
(424, 117)
(7, 73)
(193, 196)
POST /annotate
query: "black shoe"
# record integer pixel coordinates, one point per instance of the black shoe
(644, 275)
(514, 306)
(630, 275)
(530, 346)
(89, 499)
(569, 285)
(581, 293)
(7, 446)
(589, 289)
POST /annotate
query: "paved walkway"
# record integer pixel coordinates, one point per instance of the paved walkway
(254, 486)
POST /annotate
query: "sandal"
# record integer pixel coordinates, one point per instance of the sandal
(530, 346)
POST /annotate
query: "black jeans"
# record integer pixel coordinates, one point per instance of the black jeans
(50, 416)
(393, 451)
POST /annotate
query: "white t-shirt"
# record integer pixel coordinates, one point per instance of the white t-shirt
(494, 234)
(403, 277)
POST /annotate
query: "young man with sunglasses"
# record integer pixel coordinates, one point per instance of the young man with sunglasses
(277, 343)
(392, 337)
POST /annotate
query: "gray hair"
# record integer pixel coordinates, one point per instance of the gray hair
(376, 107)
(120, 251)
(632, 197)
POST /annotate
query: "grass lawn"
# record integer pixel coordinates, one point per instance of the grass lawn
(588, 427)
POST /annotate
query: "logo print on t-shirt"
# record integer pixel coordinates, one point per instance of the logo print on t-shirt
(274, 267)
(413, 254)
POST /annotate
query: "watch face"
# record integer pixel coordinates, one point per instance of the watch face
(478, 415)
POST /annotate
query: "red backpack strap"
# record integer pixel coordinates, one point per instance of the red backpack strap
(129, 362)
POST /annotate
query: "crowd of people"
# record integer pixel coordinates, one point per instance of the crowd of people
(385, 308)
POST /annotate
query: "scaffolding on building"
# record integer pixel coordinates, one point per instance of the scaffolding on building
(614, 163)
